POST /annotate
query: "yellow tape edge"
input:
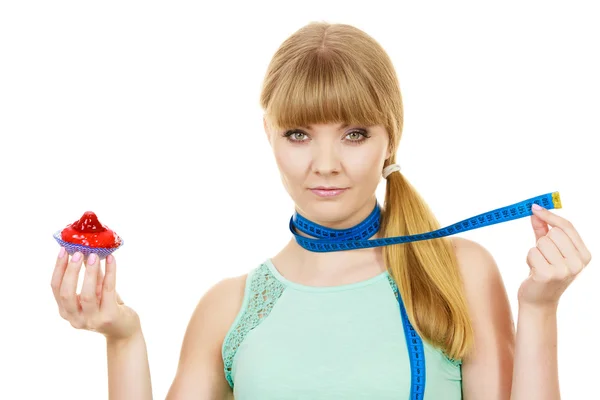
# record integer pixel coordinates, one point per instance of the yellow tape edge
(556, 200)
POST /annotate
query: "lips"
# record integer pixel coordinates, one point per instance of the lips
(323, 191)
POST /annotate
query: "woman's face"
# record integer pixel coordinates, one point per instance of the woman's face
(349, 157)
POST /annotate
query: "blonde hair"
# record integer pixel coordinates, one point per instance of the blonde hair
(327, 73)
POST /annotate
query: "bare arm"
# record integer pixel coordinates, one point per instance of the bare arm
(536, 366)
(487, 370)
(556, 260)
(99, 308)
(128, 369)
(200, 374)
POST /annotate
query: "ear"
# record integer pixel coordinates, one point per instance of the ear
(388, 152)
(266, 129)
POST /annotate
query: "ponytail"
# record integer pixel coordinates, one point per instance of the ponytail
(425, 271)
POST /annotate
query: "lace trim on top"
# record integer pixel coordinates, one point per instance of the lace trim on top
(397, 293)
(264, 291)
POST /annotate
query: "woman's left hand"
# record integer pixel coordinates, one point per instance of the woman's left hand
(558, 257)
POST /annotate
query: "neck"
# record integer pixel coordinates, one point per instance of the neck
(300, 264)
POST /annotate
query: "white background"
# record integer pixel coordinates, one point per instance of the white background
(147, 114)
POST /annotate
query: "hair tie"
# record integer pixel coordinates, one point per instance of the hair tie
(389, 169)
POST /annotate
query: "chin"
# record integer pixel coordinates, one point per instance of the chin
(326, 212)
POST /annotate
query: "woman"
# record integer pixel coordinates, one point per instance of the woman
(327, 325)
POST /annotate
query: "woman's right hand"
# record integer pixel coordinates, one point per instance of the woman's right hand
(98, 308)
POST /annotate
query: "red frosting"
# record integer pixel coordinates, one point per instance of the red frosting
(88, 231)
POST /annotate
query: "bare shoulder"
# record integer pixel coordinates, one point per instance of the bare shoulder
(466, 248)
(217, 308)
(222, 299)
(484, 287)
(200, 371)
(475, 261)
(488, 368)
(480, 273)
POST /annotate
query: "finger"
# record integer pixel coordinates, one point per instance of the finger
(57, 275)
(550, 252)
(109, 297)
(536, 260)
(540, 228)
(89, 300)
(541, 270)
(99, 281)
(557, 221)
(68, 286)
(568, 250)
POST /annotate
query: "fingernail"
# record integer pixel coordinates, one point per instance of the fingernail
(109, 259)
(76, 257)
(536, 206)
(62, 252)
(91, 259)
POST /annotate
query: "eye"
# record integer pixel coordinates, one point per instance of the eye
(358, 136)
(355, 135)
(295, 136)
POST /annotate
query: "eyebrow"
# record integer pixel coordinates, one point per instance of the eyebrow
(342, 126)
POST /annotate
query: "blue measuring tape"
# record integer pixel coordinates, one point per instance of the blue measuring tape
(327, 240)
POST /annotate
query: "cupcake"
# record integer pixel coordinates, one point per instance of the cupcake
(87, 235)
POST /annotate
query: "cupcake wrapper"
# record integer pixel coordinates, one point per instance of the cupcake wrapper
(71, 248)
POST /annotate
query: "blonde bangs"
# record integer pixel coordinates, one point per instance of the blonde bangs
(323, 87)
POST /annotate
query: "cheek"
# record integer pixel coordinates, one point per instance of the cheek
(292, 164)
(365, 166)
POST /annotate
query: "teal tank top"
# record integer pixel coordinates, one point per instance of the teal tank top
(291, 341)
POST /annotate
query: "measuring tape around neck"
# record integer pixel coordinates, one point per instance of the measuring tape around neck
(327, 240)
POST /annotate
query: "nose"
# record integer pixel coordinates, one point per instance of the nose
(326, 159)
